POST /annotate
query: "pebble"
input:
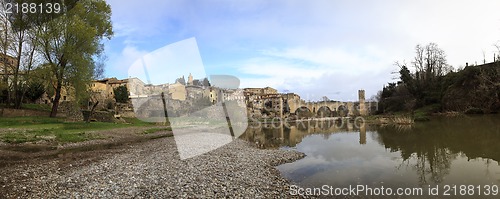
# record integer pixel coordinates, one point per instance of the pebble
(154, 169)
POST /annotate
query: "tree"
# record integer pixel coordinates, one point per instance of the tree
(430, 62)
(17, 41)
(430, 67)
(71, 42)
(497, 56)
(121, 94)
(34, 90)
(5, 41)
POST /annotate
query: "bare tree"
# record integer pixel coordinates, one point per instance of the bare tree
(430, 62)
(497, 45)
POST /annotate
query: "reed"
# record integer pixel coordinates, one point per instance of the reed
(403, 120)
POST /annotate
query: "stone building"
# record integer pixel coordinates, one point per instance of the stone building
(260, 91)
(177, 91)
(104, 88)
(7, 64)
(269, 90)
(197, 92)
(67, 94)
(214, 94)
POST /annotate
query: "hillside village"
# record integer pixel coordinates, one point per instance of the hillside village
(195, 92)
(260, 102)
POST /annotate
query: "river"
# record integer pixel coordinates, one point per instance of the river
(445, 151)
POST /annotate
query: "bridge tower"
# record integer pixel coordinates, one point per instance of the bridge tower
(362, 108)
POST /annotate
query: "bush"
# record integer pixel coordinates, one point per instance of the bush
(121, 94)
(109, 104)
(34, 91)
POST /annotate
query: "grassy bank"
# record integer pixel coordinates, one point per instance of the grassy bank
(33, 129)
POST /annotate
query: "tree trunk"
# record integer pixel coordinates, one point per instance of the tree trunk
(5, 81)
(15, 87)
(26, 76)
(87, 118)
(17, 92)
(55, 103)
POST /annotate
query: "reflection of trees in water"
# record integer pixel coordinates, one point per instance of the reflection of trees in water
(432, 146)
(433, 164)
(431, 159)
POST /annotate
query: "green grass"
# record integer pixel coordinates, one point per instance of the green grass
(37, 107)
(32, 129)
(16, 122)
(423, 113)
(137, 122)
(154, 130)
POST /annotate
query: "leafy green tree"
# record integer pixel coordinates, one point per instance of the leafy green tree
(70, 44)
(17, 39)
(34, 91)
(121, 94)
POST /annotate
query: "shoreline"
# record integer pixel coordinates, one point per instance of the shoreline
(153, 169)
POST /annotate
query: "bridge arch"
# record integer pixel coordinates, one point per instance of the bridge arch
(324, 111)
(342, 111)
(303, 112)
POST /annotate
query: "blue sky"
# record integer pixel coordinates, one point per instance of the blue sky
(313, 48)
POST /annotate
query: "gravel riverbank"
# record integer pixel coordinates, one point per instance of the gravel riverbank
(152, 169)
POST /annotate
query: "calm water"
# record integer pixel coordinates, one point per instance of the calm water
(444, 151)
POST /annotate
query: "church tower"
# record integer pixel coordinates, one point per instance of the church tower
(190, 79)
(362, 107)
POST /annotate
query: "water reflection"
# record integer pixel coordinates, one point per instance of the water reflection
(444, 151)
(431, 147)
(275, 135)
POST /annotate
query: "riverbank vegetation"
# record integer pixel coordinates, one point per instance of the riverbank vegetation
(429, 85)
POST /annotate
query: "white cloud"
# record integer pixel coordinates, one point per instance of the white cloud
(119, 63)
(313, 46)
(166, 64)
(314, 73)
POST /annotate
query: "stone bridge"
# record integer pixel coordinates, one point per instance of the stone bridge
(324, 108)
(330, 108)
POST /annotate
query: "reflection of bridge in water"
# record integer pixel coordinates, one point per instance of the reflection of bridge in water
(274, 135)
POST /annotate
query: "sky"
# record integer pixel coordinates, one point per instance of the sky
(314, 48)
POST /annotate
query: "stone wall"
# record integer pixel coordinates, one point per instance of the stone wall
(70, 111)
(124, 110)
(104, 116)
(8, 112)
